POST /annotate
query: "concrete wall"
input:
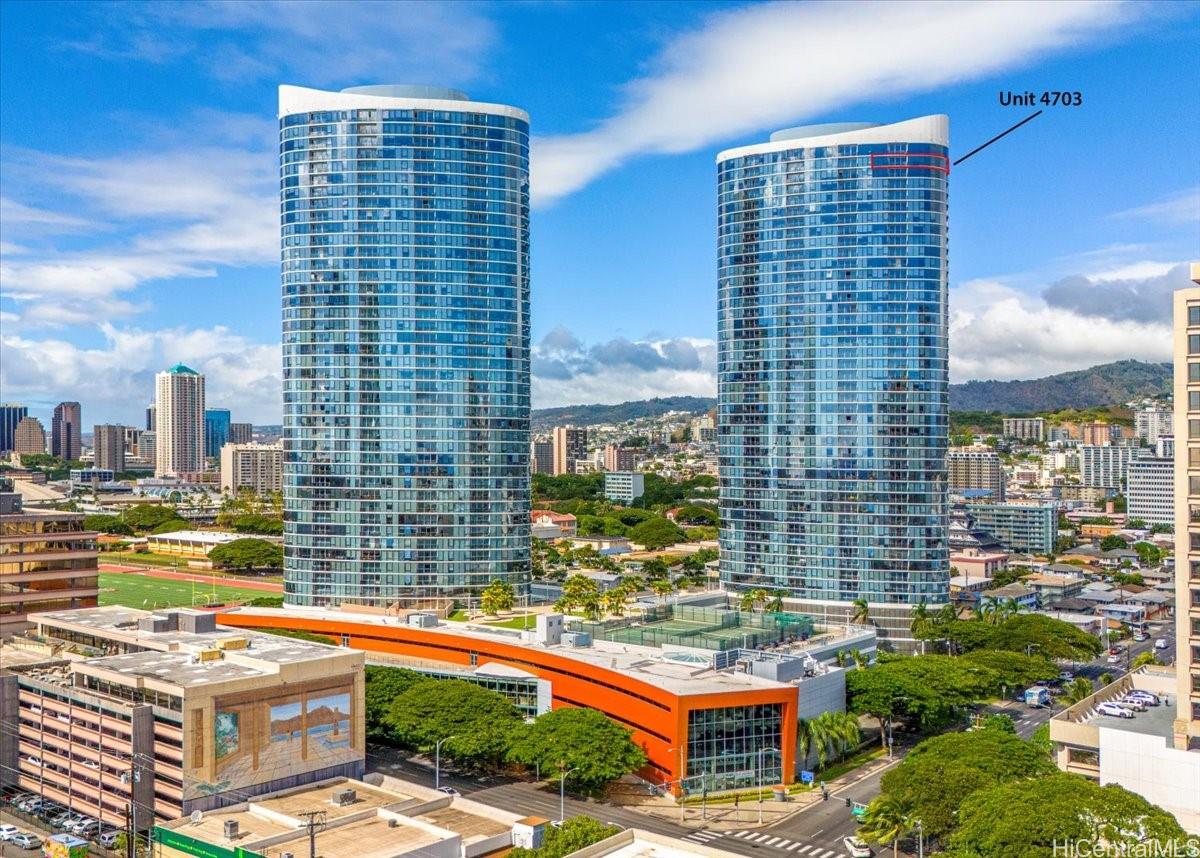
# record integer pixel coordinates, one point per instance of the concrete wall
(1149, 766)
(9, 717)
(824, 693)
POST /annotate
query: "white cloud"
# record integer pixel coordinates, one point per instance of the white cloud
(1178, 208)
(566, 371)
(113, 379)
(175, 213)
(14, 214)
(319, 41)
(775, 64)
(998, 332)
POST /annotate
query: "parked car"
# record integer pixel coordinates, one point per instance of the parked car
(108, 839)
(1161, 643)
(65, 821)
(1113, 710)
(1113, 650)
(34, 761)
(28, 804)
(1141, 636)
(856, 847)
(25, 840)
(1066, 676)
(7, 832)
(87, 829)
(1150, 698)
(1132, 703)
(449, 790)
(1114, 659)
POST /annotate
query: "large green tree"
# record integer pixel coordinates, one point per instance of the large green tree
(382, 686)
(144, 516)
(247, 553)
(1032, 633)
(939, 773)
(107, 524)
(257, 523)
(1014, 669)
(1027, 818)
(574, 834)
(597, 748)
(482, 723)
(655, 533)
(927, 688)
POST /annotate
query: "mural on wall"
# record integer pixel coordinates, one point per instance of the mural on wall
(225, 734)
(256, 741)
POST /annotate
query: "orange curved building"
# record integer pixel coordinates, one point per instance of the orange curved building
(723, 723)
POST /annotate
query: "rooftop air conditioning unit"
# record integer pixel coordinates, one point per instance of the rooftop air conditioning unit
(286, 855)
(343, 797)
(231, 829)
(392, 823)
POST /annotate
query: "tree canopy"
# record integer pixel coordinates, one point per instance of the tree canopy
(928, 688)
(247, 553)
(939, 773)
(1025, 819)
(107, 524)
(574, 834)
(256, 523)
(1014, 669)
(145, 516)
(496, 597)
(1020, 632)
(382, 686)
(483, 723)
(598, 749)
(655, 533)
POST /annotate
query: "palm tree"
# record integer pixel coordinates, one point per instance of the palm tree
(920, 620)
(1079, 689)
(989, 610)
(614, 601)
(849, 734)
(887, 820)
(775, 605)
(760, 597)
(661, 587)
(862, 612)
(746, 603)
(1011, 608)
(804, 738)
(860, 660)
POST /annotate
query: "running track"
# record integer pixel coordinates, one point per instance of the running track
(247, 583)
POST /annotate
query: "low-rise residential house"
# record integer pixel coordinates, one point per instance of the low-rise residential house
(1052, 588)
(549, 525)
(973, 563)
(1090, 623)
(966, 588)
(1025, 598)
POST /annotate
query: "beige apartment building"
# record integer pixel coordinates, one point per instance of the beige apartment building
(29, 437)
(168, 712)
(108, 445)
(975, 469)
(254, 467)
(179, 421)
(1187, 513)
(570, 446)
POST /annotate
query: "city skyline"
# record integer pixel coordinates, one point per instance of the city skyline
(157, 283)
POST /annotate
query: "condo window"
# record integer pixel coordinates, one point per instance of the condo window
(1194, 428)
(1193, 344)
(1194, 372)
(1194, 400)
(1194, 314)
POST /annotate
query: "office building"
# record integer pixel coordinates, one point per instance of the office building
(1105, 466)
(65, 428)
(1164, 447)
(709, 711)
(1025, 428)
(1026, 527)
(703, 429)
(541, 457)
(108, 445)
(405, 344)
(204, 716)
(29, 437)
(624, 486)
(1096, 433)
(1187, 514)
(47, 561)
(132, 436)
(150, 417)
(975, 470)
(179, 418)
(241, 433)
(216, 431)
(620, 458)
(1151, 422)
(11, 413)
(252, 467)
(1150, 495)
(832, 366)
(569, 446)
(148, 446)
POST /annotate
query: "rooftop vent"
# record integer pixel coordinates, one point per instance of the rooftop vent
(231, 829)
(343, 797)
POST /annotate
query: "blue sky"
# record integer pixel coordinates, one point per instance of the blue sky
(137, 172)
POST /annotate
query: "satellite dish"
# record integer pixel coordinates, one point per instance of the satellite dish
(197, 816)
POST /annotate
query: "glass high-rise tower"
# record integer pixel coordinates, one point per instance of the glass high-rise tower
(832, 368)
(405, 218)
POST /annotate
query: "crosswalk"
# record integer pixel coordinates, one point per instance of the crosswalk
(760, 838)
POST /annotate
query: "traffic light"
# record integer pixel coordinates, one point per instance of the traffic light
(849, 803)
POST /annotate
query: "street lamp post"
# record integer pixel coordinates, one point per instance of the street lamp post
(562, 795)
(437, 762)
(920, 839)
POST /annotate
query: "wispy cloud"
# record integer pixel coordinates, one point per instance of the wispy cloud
(318, 42)
(768, 65)
(1178, 208)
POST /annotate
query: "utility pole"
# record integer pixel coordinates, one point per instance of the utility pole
(315, 822)
(129, 831)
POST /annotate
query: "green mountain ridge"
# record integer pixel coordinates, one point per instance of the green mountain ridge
(1106, 384)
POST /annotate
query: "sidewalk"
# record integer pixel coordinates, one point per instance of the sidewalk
(725, 815)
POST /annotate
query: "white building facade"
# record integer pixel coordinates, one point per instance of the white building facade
(179, 421)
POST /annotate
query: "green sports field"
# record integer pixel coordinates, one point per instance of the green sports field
(141, 591)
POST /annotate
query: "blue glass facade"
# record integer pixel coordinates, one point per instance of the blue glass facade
(405, 345)
(832, 366)
(216, 430)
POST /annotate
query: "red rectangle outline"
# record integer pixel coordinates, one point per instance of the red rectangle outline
(944, 169)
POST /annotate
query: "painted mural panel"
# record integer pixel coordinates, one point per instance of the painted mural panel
(295, 731)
